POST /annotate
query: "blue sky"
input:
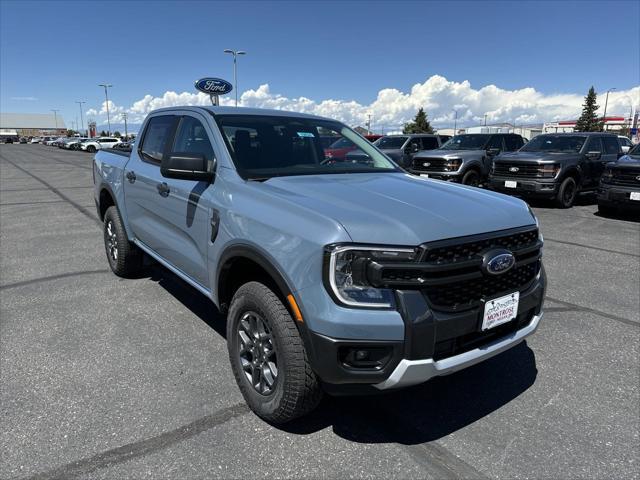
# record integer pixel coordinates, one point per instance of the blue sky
(58, 52)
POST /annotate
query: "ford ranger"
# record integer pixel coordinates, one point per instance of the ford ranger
(337, 277)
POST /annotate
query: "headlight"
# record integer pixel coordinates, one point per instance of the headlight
(452, 164)
(549, 170)
(346, 273)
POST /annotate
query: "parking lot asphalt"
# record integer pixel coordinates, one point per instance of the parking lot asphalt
(108, 378)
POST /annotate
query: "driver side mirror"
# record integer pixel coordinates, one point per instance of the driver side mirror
(186, 166)
(492, 152)
(413, 148)
(593, 155)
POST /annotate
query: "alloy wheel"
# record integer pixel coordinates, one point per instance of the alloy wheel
(112, 241)
(257, 353)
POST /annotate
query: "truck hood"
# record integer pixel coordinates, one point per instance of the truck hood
(401, 209)
(464, 154)
(528, 157)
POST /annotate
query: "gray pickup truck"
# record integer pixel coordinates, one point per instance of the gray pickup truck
(334, 277)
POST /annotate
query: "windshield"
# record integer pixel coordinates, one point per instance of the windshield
(390, 142)
(466, 142)
(555, 143)
(342, 143)
(635, 151)
(272, 146)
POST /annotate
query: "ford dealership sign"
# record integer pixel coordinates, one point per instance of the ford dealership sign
(213, 86)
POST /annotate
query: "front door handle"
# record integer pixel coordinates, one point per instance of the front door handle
(163, 189)
(131, 176)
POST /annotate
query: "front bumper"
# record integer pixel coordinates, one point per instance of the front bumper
(525, 186)
(435, 343)
(618, 196)
(446, 176)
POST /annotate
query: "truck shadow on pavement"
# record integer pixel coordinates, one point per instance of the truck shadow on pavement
(415, 415)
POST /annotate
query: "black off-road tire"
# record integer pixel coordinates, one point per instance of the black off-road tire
(471, 178)
(567, 193)
(127, 261)
(296, 390)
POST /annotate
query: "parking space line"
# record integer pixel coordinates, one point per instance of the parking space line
(143, 447)
(52, 277)
(77, 206)
(30, 203)
(546, 239)
(2, 190)
(580, 308)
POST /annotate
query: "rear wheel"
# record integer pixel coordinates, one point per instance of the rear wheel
(268, 357)
(471, 178)
(125, 259)
(567, 193)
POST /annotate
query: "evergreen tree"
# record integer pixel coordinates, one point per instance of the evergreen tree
(117, 134)
(420, 124)
(103, 133)
(588, 121)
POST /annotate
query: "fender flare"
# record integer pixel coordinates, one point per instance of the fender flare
(254, 254)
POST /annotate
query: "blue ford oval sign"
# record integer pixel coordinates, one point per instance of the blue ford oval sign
(496, 262)
(213, 86)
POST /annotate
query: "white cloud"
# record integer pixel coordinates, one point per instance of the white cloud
(392, 107)
(24, 99)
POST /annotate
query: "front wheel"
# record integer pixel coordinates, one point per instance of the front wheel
(267, 356)
(471, 178)
(91, 149)
(567, 193)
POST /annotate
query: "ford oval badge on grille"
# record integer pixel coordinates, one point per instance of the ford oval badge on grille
(426, 164)
(514, 169)
(638, 178)
(496, 262)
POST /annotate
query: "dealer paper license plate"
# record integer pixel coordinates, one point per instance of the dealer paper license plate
(634, 196)
(510, 184)
(500, 310)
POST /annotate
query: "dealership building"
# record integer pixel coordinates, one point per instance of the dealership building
(31, 124)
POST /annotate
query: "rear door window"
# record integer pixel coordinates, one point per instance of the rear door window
(156, 136)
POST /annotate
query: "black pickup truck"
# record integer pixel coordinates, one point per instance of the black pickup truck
(555, 166)
(620, 184)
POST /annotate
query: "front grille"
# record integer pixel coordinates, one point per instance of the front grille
(523, 169)
(466, 294)
(457, 280)
(435, 164)
(625, 177)
(452, 252)
(450, 272)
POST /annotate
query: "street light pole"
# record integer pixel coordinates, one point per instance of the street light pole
(604, 117)
(235, 54)
(55, 116)
(81, 119)
(126, 134)
(106, 96)
(455, 122)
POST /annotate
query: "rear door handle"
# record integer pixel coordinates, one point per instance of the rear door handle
(163, 189)
(131, 176)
